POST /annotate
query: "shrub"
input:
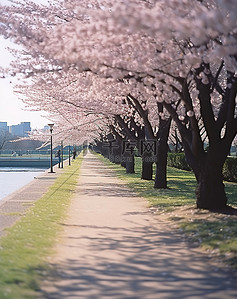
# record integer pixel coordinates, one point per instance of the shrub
(230, 170)
(178, 160)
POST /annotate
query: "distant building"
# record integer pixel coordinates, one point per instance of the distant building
(20, 130)
(3, 127)
(26, 128)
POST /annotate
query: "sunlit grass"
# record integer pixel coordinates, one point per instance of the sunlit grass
(218, 235)
(31, 239)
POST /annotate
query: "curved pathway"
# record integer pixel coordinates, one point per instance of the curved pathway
(112, 246)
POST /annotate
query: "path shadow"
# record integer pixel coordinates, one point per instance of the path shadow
(106, 190)
(151, 264)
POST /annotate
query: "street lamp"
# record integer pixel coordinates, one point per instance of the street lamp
(69, 155)
(51, 147)
(62, 154)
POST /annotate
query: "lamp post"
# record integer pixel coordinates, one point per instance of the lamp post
(62, 154)
(51, 147)
(69, 155)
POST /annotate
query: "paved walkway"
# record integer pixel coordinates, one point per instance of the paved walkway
(113, 247)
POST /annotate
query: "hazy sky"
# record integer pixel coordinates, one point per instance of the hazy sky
(12, 110)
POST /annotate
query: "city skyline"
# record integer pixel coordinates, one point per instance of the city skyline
(22, 129)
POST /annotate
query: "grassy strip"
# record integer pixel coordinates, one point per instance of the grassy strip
(213, 231)
(217, 235)
(31, 239)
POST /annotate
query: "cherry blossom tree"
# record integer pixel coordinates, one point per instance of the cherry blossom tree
(181, 54)
(206, 85)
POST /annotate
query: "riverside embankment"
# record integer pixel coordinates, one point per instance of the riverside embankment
(13, 206)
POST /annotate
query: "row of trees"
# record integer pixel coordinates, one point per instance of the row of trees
(131, 71)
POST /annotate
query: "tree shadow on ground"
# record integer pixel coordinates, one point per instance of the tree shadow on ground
(228, 210)
(138, 263)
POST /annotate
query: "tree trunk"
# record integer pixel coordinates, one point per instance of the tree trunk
(210, 190)
(130, 164)
(123, 163)
(161, 170)
(147, 168)
(116, 156)
(162, 153)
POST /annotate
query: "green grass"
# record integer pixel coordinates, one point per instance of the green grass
(218, 235)
(215, 232)
(24, 249)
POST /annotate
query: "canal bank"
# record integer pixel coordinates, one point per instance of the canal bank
(16, 204)
(39, 162)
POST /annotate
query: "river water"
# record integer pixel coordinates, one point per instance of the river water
(12, 179)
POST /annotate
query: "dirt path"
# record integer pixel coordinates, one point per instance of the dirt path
(113, 247)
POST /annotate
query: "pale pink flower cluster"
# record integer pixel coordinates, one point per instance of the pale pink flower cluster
(84, 57)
